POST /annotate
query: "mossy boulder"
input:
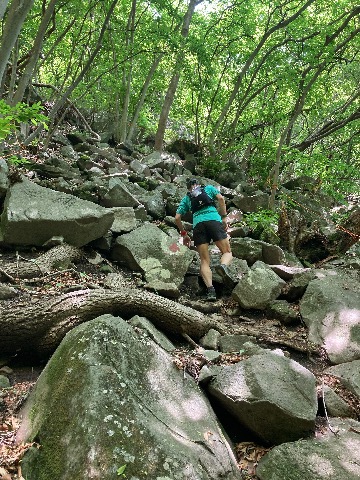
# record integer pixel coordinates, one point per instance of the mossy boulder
(111, 397)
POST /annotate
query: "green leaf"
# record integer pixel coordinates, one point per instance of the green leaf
(121, 470)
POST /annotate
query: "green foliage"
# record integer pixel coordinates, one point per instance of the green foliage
(211, 167)
(263, 224)
(242, 44)
(120, 471)
(11, 117)
(335, 175)
(17, 160)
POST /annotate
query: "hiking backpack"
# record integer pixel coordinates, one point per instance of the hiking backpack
(199, 199)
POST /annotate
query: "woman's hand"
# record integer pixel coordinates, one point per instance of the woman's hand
(187, 241)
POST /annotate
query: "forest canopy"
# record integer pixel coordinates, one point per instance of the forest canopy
(273, 86)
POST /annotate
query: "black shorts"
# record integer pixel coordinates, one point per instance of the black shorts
(204, 232)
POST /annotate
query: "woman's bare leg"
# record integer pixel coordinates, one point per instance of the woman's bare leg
(205, 270)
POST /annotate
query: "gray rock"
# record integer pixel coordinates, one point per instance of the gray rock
(234, 343)
(119, 196)
(247, 249)
(288, 273)
(295, 288)
(124, 220)
(69, 152)
(283, 311)
(336, 406)
(155, 160)
(329, 456)
(158, 337)
(211, 339)
(251, 203)
(272, 396)
(258, 287)
(272, 254)
(140, 168)
(102, 394)
(4, 180)
(349, 375)
(149, 250)
(32, 215)
(237, 269)
(7, 292)
(330, 308)
(4, 382)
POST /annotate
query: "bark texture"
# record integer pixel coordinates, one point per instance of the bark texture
(39, 327)
(59, 256)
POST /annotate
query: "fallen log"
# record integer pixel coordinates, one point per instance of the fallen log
(57, 257)
(39, 327)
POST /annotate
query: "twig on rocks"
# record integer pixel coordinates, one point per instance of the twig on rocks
(335, 432)
(8, 276)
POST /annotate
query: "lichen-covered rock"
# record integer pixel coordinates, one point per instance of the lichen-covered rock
(159, 256)
(326, 457)
(258, 288)
(110, 397)
(330, 309)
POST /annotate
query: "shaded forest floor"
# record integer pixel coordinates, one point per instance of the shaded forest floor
(23, 373)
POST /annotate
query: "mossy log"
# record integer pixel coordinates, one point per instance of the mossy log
(39, 327)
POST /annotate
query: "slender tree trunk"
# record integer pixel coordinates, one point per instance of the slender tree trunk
(170, 94)
(250, 60)
(35, 52)
(127, 73)
(142, 96)
(64, 98)
(13, 70)
(3, 5)
(18, 11)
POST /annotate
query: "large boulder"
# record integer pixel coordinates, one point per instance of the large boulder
(118, 195)
(272, 396)
(251, 203)
(330, 308)
(110, 397)
(4, 180)
(327, 457)
(163, 261)
(348, 374)
(33, 215)
(253, 250)
(258, 287)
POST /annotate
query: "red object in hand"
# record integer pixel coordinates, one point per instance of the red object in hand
(183, 233)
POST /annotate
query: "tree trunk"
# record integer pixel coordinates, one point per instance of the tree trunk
(127, 74)
(170, 94)
(35, 52)
(142, 96)
(3, 5)
(18, 11)
(64, 98)
(53, 259)
(39, 328)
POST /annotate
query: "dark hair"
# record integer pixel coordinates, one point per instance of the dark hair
(190, 182)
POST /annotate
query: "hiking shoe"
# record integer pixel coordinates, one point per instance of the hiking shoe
(223, 271)
(211, 294)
